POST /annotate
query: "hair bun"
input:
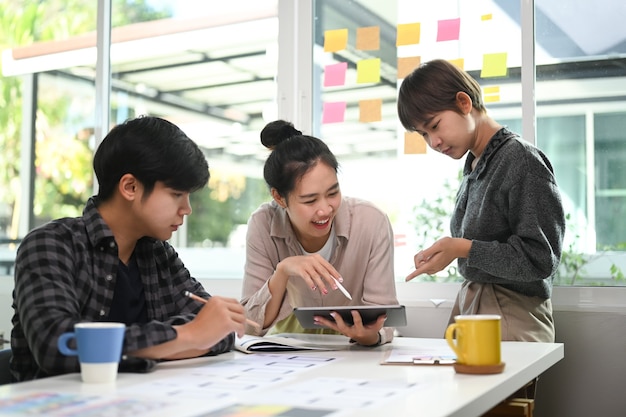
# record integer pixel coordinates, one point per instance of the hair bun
(276, 132)
(288, 131)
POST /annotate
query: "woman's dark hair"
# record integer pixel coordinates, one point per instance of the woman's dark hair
(432, 88)
(293, 155)
(151, 149)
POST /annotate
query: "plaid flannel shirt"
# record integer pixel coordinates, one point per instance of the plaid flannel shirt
(65, 273)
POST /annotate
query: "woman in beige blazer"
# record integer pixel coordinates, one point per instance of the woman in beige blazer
(307, 237)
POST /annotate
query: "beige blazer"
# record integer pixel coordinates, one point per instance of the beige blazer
(363, 256)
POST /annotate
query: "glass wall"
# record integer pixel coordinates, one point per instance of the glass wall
(213, 71)
(44, 135)
(362, 50)
(209, 68)
(581, 86)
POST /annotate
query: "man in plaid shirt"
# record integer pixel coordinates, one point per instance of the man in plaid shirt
(114, 262)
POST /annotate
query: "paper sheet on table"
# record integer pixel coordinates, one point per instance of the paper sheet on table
(426, 356)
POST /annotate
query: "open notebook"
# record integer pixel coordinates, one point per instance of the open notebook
(287, 342)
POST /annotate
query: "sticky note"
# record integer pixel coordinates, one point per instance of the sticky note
(491, 94)
(333, 112)
(335, 74)
(408, 34)
(494, 89)
(370, 110)
(487, 16)
(459, 62)
(491, 98)
(335, 40)
(448, 29)
(406, 65)
(368, 71)
(414, 143)
(368, 38)
(494, 65)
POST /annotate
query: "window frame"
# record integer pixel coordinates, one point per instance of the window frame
(295, 101)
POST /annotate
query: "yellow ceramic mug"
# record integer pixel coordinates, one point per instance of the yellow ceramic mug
(477, 338)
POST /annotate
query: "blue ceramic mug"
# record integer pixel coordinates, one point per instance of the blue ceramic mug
(99, 349)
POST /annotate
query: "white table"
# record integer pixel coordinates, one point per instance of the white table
(348, 379)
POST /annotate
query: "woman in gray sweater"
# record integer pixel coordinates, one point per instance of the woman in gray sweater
(508, 222)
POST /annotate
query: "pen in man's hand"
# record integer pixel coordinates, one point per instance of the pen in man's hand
(203, 301)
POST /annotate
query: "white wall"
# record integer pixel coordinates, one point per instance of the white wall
(590, 381)
(591, 322)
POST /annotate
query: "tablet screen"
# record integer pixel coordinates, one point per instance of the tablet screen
(396, 314)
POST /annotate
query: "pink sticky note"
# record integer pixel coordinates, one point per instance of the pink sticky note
(448, 30)
(334, 112)
(335, 74)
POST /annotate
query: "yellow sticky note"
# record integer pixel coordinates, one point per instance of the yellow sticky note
(368, 71)
(408, 34)
(368, 38)
(487, 16)
(491, 98)
(491, 94)
(459, 62)
(494, 65)
(370, 110)
(407, 65)
(335, 40)
(414, 143)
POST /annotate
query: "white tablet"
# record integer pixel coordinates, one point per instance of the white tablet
(396, 314)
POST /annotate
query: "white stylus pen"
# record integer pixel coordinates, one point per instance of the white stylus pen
(342, 289)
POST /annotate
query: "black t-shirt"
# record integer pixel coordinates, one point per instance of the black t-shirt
(129, 301)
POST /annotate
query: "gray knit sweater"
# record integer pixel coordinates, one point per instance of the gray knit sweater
(510, 208)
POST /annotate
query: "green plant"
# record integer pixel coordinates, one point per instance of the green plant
(572, 269)
(431, 222)
(64, 178)
(573, 262)
(431, 219)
